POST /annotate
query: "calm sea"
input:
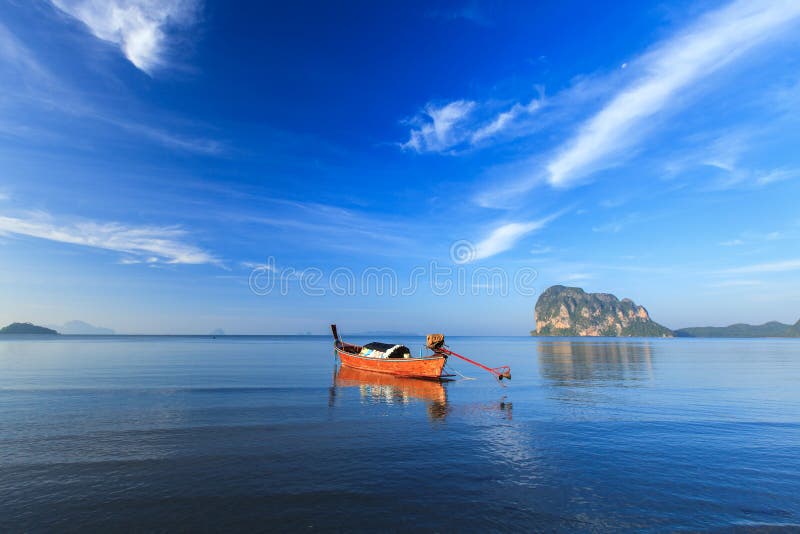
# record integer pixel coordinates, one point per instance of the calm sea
(265, 433)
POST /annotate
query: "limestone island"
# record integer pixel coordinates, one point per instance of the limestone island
(570, 311)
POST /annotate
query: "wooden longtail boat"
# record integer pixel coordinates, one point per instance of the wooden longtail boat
(356, 357)
(397, 360)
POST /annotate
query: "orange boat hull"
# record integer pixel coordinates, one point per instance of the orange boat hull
(411, 367)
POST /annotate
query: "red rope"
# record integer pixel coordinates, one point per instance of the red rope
(500, 372)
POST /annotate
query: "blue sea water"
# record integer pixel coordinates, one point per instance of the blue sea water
(265, 433)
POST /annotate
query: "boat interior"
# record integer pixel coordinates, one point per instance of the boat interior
(375, 350)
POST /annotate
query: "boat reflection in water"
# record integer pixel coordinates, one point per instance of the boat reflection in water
(390, 389)
(592, 362)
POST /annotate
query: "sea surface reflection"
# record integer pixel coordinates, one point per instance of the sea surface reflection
(592, 362)
(380, 388)
(383, 388)
(268, 433)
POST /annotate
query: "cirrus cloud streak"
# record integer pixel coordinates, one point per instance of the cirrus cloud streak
(150, 243)
(505, 236)
(138, 27)
(674, 66)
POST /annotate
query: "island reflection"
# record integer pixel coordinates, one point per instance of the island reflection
(576, 363)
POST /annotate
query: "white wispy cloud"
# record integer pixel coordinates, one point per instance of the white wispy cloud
(673, 67)
(729, 154)
(638, 100)
(44, 91)
(771, 267)
(611, 203)
(744, 178)
(755, 237)
(156, 135)
(464, 123)
(617, 225)
(776, 175)
(251, 265)
(143, 244)
(140, 28)
(726, 150)
(136, 261)
(504, 237)
(536, 251)
(199, 145)
(504, 120)
(281, 273)
(439, 128)
(334, 227)
(612, 227)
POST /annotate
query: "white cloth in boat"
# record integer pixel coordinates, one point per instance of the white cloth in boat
(395, 351)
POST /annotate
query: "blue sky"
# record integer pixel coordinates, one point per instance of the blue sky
(158, 157)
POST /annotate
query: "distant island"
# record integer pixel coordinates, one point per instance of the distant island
(27, 328)
(82, 328)
(770, 329)
(570, 311)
